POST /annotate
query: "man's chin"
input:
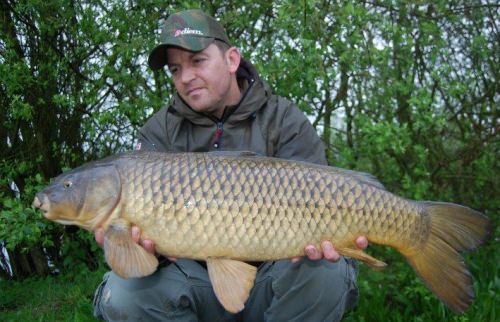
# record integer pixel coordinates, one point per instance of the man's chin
(199, 108)
(200, 105)
(196, 102)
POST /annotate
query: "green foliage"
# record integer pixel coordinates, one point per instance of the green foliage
(20, 224)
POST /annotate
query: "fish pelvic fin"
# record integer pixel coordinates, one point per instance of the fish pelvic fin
(453, 229)
(362, 256)
(232, 281)
(125, 257)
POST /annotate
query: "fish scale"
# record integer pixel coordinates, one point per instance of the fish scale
(231, 207)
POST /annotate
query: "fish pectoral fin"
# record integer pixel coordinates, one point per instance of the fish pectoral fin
(125, 257)
(232, 281)
(362, 256)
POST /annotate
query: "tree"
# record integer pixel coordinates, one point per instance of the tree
(72, 89)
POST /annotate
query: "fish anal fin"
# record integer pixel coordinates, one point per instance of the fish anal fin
(125, 257)
(362, 256)
(232, 281)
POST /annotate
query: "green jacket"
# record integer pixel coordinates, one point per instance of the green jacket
(261, 122)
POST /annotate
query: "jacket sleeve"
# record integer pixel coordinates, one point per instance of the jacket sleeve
(297, 139)
(153, 135)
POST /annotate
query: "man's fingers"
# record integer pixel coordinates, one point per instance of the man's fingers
(329, 251)
(313, 253)
(136, 234)
(361, 242)
(149, 246)
(99, 236)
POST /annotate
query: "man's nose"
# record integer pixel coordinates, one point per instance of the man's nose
(187, 75)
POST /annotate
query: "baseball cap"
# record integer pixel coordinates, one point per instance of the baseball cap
(192, 30)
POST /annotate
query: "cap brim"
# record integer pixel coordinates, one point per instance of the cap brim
(158, 57)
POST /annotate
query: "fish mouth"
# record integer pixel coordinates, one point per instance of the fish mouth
(42, 202)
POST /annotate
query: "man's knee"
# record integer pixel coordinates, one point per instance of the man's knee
(324, 274)
(112, 301)
(119, 299)
(315, 290)
(151, 298)
(177, 292)
(330, 282)
(315, 274)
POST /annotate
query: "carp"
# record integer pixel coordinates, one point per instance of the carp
(231, 208)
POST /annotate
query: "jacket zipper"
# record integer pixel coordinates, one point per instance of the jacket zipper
(216, 142)
(218, 134)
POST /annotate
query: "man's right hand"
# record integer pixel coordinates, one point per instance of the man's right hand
(135, 231)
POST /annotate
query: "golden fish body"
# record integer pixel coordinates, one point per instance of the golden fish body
(246, 209)
(227, 208)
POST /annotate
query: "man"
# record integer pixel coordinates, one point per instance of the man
(221, 104)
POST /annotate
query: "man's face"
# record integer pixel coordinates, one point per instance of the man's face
(204, 79)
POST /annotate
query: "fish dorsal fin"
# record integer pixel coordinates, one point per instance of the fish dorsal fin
(234, 153)
(125, 257)
(232, 282)
(363, 177)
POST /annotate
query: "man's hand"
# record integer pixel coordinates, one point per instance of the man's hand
(147, 244)
(328, 251)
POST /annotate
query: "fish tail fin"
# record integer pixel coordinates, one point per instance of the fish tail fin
(453, 229)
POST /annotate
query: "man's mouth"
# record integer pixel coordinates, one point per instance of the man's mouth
(193, 91)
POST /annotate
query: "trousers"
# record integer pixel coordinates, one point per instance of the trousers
(181, 291)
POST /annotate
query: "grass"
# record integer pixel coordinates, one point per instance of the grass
(394, 294)
(54, 298)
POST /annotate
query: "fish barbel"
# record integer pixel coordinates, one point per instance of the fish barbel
(229, 208)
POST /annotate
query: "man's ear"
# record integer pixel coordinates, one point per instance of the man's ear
(233, 58)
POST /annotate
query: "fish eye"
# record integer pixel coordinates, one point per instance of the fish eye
(67, 184)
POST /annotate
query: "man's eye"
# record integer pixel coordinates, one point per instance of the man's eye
(198, 60)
